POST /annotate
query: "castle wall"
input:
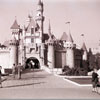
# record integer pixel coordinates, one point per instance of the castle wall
(78, 57)
(60, 59)
(51, 56)
(4, 59)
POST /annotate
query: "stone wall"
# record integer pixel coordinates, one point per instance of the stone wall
(4, 60)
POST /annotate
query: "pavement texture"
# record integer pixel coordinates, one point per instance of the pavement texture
(39, 84)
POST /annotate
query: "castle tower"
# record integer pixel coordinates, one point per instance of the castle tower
(13, 51)
(68, 44)
(14, 43)
(39, 21)
(15, 29)
(70, 51)
(84, 51)
(99, 47)
(51, 53)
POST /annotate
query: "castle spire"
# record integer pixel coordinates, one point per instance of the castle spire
(84, 47)
(70, 39)
(51, 36)
(84, 51)
(39, 2)
(49, 29)
(15, 25)
(64, 36)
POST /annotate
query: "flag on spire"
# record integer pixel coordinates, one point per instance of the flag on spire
(67, 22)
(82, 34)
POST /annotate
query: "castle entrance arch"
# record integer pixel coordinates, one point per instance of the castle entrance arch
(32, 62)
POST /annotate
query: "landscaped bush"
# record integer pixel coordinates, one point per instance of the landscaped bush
(74, 71)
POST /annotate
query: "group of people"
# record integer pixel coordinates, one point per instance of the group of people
(13, 72)
(18, 70)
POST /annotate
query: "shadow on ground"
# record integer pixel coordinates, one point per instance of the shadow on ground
(21, 85)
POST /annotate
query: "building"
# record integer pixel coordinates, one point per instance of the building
(29, 45)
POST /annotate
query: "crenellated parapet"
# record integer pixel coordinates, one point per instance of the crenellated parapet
(69, 45)
(14, 42)
(4, 49)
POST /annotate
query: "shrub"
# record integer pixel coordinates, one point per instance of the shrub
(74, 71)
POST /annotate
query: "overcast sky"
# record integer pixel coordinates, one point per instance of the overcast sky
(84, 16)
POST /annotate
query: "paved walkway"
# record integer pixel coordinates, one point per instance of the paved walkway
(39, 84)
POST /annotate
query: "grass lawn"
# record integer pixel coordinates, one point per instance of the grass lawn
(80, 80)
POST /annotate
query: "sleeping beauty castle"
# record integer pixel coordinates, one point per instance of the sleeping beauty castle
(31, 44)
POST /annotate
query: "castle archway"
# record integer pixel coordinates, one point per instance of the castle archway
(32, 62)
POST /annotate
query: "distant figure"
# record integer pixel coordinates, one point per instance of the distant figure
(0, 77)
(95, 80)
(14, 70)
(33, 64)
(19, 71)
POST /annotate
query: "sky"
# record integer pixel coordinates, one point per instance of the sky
(84, 17)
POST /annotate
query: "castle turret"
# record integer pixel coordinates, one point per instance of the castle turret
(39, 33)
(84, 51)
(13, 51)
(68, 44)
(40, 20)
(51, 52)
(15, 29)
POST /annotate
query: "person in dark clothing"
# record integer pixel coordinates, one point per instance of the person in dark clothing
(14, 70)
(19, 71)
(0, 77)
(95, 80)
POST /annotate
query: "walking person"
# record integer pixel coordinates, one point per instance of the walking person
(95, 80)
(33, 65)
(0, 77)
(14, 70)
(19, 71)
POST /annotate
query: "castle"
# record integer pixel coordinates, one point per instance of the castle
(31, 44)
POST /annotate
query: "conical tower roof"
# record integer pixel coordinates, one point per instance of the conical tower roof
(67, 38)
(15, 25)
(84, 47)
(31, 25)
(64, 37)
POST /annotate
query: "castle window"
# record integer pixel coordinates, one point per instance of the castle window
(32, 30)
(32, 40)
